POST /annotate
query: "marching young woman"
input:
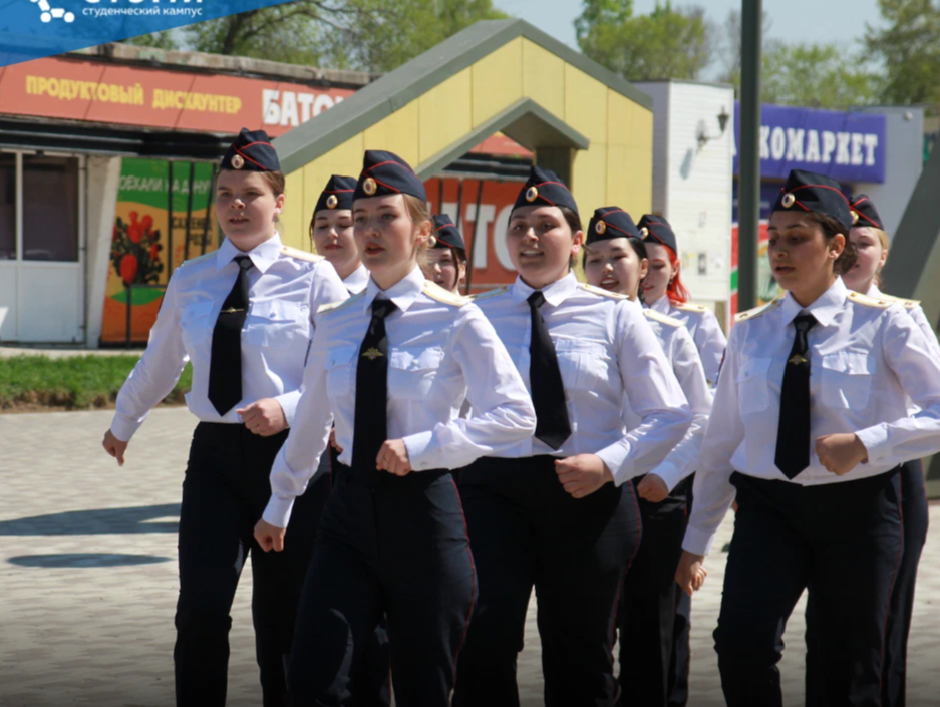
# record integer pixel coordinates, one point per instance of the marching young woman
(871, 241)
(396, 362)
(447, 259)
(331, 231)
(244, 316)
(664, 292)
(557, 512)
(616, 260)
(814, 425)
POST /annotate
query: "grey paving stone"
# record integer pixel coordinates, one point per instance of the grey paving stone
(79, 625)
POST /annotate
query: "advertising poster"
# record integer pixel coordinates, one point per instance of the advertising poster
(144, 250)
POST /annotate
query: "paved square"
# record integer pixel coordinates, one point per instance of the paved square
(88, 577)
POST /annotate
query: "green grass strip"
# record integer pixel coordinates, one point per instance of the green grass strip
(75, 382)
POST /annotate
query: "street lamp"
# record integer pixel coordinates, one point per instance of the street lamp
(703, 137)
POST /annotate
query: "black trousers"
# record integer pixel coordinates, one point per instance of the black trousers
(526, 531)
(915, 516)
(224, 494)
(646, 619)
(392, 546)
(682, 626)
(843, 542)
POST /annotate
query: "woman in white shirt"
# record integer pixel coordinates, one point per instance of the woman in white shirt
(447, 258)
(395, 362)
(664, 292)
(331, 232)
(244, 316)
(616, 260)
(557, 511)
(871, 241)
(811, 426)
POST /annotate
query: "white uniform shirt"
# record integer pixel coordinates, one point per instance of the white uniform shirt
(441, 350)
(915, 310)
(682, 355)
(357, 280)
(605, 349)
(706, 333)
(286, 287)
(866, 359)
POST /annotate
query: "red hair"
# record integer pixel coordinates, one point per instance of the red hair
(675, 290)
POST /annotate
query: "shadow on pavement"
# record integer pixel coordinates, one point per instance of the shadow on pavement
(132, 520)
(81, 560)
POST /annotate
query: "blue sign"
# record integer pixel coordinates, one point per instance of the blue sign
(30, 29)
(848, 147)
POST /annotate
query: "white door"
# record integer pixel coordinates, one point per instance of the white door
(42, 240)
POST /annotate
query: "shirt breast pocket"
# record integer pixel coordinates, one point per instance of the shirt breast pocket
(847, 378)
(412, 372)
(340, 371)
(753, 386)
(277, 323)
(584, 365)
(195, 324)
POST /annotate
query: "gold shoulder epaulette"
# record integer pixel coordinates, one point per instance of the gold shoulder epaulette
(662, 318)
(436, 292)
(336, 306)
(689, 307)
(490, 293)
(601, 291)
(757, 311)
(196, 260)
(908, 303)
(879, 302)
(301, 255)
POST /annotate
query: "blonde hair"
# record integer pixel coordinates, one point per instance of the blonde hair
(883, 239)
(418, 212)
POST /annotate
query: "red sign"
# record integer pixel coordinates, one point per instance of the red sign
(178, 100)
(483, 229)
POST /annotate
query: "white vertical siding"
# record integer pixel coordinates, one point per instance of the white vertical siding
(659, 91)
(698, 187)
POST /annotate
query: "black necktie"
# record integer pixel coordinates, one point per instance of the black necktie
(548, 390)
(370, 428)
(793, 429)
(225, 367)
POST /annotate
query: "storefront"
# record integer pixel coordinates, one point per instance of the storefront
(97, 155)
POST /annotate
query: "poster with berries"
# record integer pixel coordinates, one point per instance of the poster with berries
(141, 260)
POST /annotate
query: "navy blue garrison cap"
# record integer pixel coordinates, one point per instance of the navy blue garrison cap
(544, 187)
(446, 233)
(386, 174)
(867, 213)
(337, 195)
(817, 193)
(252, 151)
(611, 222)
(656, 229)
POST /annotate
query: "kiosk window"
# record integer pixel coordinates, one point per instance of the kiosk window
(7, 206)
(50, 208)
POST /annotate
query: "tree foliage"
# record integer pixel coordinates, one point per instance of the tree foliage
(803, 74)
(369, 35)
(909, 49)
(668, 43)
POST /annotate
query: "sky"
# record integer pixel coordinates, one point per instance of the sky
(815, 21)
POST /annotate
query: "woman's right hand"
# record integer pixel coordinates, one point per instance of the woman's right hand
(339, 450)
(690, 575)
(113, 446)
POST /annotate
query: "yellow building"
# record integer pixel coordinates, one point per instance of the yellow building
(589, 125)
